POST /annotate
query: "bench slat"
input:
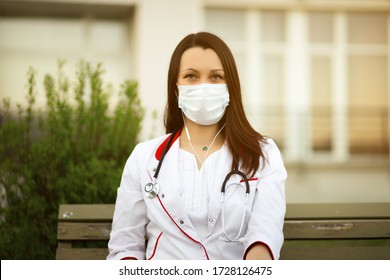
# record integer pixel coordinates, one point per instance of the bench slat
(287, 253)
(292, 230)
(329, 252)
(83, 231)
(81, 253)
(98, 212)
(339, 229)
(321, 211)
(86, 212)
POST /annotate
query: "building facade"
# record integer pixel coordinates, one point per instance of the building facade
(315, 74)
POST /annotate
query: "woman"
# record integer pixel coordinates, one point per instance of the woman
(172, 187)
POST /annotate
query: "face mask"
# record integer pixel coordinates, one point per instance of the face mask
(204, 104)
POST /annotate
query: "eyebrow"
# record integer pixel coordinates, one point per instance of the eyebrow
(212, 71)
(190, 69)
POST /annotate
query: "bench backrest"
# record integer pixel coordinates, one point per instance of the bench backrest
(312, 231)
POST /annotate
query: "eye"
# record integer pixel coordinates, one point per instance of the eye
(217, 77)
(190, 77)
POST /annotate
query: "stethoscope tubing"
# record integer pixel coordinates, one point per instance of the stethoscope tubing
(152, 189)
(165, 151)
(237, 238)
(223, 189)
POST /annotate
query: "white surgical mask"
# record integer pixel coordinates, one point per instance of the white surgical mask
(204, 104)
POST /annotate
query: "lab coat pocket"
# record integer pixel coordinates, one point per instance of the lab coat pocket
(237, 207)
(253, 189)
(153, 243)
(235, 193)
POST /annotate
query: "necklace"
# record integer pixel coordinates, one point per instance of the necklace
(204, 147)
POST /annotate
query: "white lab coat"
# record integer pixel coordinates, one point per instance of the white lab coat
(163, 219)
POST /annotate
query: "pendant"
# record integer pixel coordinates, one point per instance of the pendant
(204, 148)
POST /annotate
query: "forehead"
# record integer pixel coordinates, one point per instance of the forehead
(200, 59)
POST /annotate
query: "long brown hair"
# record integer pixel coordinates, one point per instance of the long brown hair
(242, 139)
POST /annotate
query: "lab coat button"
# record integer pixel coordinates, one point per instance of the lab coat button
(211, 220)
(181, 222)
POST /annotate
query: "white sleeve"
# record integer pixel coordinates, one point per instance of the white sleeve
(269, 207)
(127, 238)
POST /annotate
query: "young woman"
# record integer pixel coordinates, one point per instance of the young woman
(213, 187)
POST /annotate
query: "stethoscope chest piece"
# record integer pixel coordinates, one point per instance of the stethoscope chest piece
(152, 189)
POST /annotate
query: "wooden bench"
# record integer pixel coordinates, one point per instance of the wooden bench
(312, 231)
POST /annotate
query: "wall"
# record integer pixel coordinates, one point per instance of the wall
(305, 67)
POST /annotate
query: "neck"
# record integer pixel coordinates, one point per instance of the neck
(200, 140)
(202, 135)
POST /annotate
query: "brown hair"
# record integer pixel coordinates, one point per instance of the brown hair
(242, 139)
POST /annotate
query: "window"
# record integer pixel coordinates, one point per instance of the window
(368, 76)
(40, 40)
(342, 59)
(321, 40)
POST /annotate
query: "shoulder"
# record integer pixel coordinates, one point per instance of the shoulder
(150, 146)
(153, 142)
(268, 144)
(144, 152)
(271, 152)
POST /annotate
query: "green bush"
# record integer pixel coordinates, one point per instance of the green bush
(71, 151)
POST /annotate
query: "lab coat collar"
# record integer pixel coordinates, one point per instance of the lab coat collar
(161, 148)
